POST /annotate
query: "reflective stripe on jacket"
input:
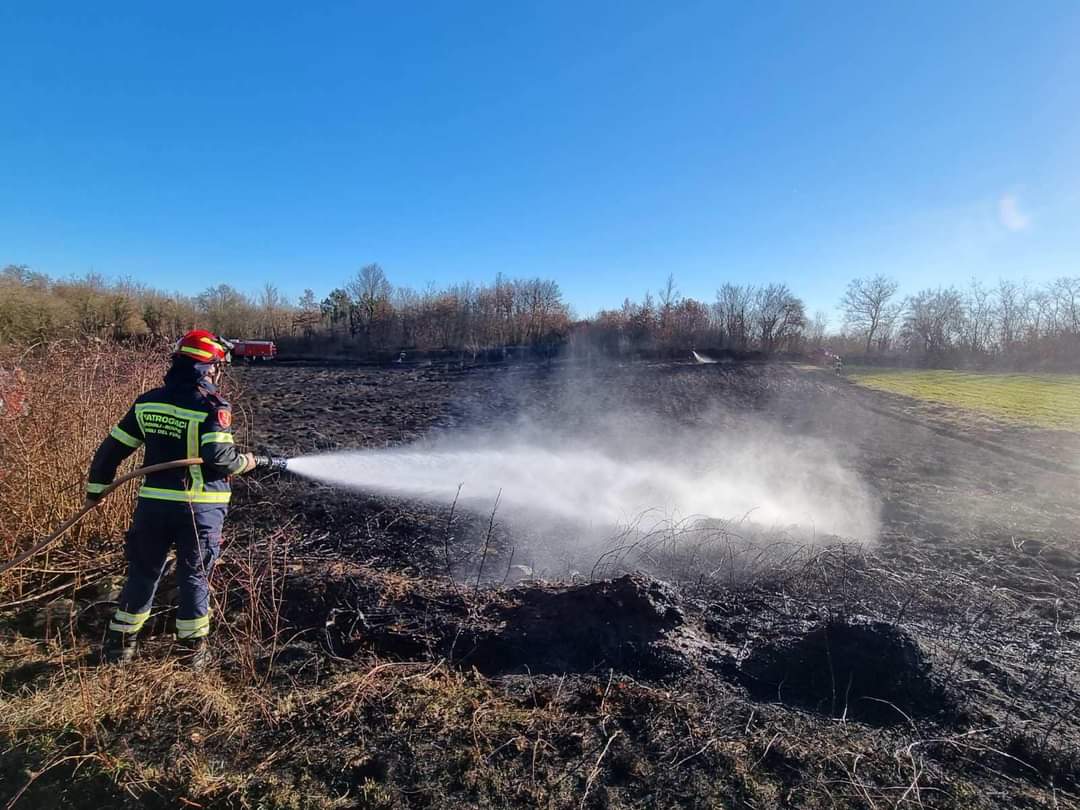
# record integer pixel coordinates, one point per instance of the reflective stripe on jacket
(185, 418)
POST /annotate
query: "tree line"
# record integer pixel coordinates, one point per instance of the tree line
(744, 318)
(1007, 324)
(365, 314)
(1010, 324)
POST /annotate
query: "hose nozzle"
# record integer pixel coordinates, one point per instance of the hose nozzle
(273, 463)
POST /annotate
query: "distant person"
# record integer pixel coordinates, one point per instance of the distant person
(185, 507)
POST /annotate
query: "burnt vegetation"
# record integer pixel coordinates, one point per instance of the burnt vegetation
(382, 652)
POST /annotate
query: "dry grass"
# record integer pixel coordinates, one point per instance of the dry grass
(74, 393)
(65, 714)
(99, 714)
(382, 733)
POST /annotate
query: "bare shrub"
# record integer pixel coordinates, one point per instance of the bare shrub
(71, 393)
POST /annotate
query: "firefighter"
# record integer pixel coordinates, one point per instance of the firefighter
(184, 507)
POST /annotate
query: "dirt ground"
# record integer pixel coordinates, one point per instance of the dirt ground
(413, 665)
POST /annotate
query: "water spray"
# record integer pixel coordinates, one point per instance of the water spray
(541, 480)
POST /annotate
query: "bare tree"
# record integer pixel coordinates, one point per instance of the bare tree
(1039, 307)
(226, 310)
(668, 296)
(1065, 294)
(407, 304)
(818, 328)
(867, 306)
(978, 318)
(274, 311)
(370, 291)
(933, 320)
(1010, 313)
(307, 315)
(543, 308)
(780, 316)
(690, 323)
(733, 311)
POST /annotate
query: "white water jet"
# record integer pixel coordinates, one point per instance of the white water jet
(801, 486)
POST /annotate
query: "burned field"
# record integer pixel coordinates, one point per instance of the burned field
(958, 619)
(387, 651)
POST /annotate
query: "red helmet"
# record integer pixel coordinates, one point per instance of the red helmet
(203, 347)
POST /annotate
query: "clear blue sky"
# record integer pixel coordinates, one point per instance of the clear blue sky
(601, 144)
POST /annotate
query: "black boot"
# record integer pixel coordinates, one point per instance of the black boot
(119, 648)
(195, 653)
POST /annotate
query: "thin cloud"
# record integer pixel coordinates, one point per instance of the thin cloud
(1010, 215)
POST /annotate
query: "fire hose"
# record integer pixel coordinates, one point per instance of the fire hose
(263, 461)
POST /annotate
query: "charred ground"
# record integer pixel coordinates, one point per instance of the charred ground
(399, 664)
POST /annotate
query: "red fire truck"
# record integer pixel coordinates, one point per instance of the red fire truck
(252, 350)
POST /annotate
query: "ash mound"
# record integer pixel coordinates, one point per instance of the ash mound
(626, 624)
(871, 671)
(874, 672)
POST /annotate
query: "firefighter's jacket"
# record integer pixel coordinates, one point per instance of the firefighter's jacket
(185, 418)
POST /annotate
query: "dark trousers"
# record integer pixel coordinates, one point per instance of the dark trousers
(195, 531)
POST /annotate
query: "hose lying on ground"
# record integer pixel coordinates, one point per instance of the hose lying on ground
(139, 473)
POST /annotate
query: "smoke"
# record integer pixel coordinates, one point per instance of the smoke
(618, 472)
(679, 470)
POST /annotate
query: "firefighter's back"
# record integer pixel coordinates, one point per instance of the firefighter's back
(176, 421)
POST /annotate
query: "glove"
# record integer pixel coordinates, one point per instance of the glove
(249, 464)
